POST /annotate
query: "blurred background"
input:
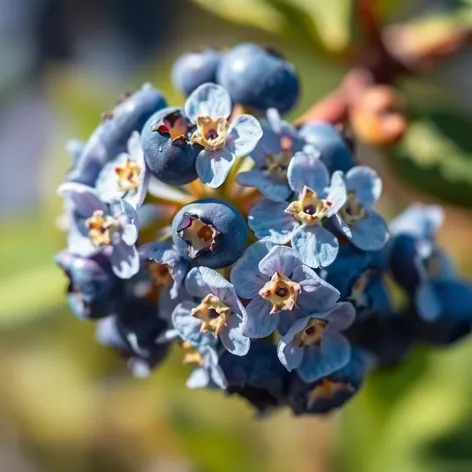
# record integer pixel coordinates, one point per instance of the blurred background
(67, 404)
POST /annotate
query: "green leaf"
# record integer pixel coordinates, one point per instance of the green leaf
(436, 156)
(308, 23)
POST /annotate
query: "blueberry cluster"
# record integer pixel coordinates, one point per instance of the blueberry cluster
(248, 243)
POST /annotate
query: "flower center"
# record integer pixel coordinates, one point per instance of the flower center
(277, 164)
(101, 228)
(327, 389)
(312, 333)
(128, 175)
(213, 314)
(191, 355)
(281, 292)
(309, 209)
(174, 124)
(200, 236)
(161, 274)
(210, 133)
(352, 211)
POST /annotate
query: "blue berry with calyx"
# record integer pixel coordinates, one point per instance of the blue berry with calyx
(259, 78)
(210, 232)
(195, 68)
(335, 151)
(167, 151)
(111, 137)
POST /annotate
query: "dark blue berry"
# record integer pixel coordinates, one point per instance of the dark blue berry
(169, 155)
(110, 138)
(210, 232)
(94, 290)
(193, 69)
(335, 151)
(259, 78)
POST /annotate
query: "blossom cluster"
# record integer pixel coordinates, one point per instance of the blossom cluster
(250, 244)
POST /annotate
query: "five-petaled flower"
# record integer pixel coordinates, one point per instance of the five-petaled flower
(279, 286)
(272, 155)
(167, 267)
(96, 226)
(364, 227)
(301, 222)
(218, 312)
(125, 177)
(314, 346)
(209, 107)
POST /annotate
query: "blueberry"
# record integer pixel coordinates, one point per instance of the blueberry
(193, 69)
(110, 138)
(335, 150)
(94, 290)
(167, 151)
(258, 78)
(210, 232)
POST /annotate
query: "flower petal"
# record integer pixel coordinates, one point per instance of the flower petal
(245, 275)
(427, 302)
(130, 229)
(80, 244)
(189, 327)
(233, 339)
(211, 361)
(217, 284)
(195, 285)
(370, 233)
(341, 316)
(307, 170)
(365, 183)
(316, 245)
(213, 166)
(84, 198)
(124, 260)
(337, 194)
(419, 221)
(258, 322)
(243, 135)
(281, 259)
(198, 378)
(333, 354)
(317, 294)
(290, 355)
(208, 100)
(275, 191)
(269, 221)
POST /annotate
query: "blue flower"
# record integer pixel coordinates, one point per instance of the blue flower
(277, 282)
(126, 177)
(301, 222)
(219, 313)
(167, 267)
(364, 227)
(97, 227)
(358, 277)
(314, 346)
(416, 261)
(209, 107)
(272, 155)
(207, 372)
(330, 392)
(94, 290)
